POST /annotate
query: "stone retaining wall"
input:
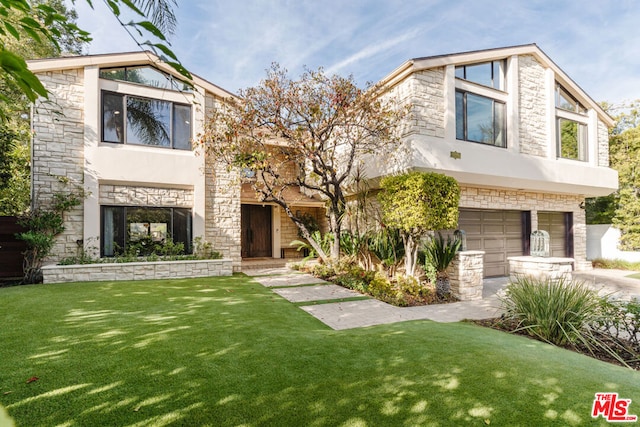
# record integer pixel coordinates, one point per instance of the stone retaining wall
(466, 275)
(136, 271)
(540, 267)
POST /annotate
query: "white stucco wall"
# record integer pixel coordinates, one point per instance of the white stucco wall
(602, 242)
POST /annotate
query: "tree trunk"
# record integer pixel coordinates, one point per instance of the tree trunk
(443, 285)
(336, 230)
(410, 255)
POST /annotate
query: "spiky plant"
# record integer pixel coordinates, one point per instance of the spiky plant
(440, 253)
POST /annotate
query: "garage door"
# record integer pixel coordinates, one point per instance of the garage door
(497, 233)
(555, 224)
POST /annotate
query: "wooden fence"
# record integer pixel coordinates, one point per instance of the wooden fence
(10, 248)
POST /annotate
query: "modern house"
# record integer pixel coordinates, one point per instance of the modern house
(121, 126)
(525, 142)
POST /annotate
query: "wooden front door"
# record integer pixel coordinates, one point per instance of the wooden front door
(256, 231)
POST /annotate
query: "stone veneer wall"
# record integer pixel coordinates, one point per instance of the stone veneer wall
(424, 91)
(289, 230)
(145, 196)
(466, 275)
(58, 147)
(603, 145)
(487, 198)
(541, 268)
(533, 107)
(136, 271)
(222, 204)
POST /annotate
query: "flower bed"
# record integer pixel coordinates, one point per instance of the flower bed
(136, 270)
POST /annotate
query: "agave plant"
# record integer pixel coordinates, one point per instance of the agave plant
(440, 254)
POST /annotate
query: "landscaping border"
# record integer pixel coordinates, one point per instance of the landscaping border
(137, 271)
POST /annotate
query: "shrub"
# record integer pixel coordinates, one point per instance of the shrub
(323, 271)
(440, 253)
(620, 319)
(410, 286)
(382, 289)
(556, 311)
(617, 264)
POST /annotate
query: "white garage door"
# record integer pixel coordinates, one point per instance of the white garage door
(497, 233)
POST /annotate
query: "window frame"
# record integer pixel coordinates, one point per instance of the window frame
(174, 83)
(497, 82)
(465, 127)
(578, 114)
(123, 242)
(171, 120)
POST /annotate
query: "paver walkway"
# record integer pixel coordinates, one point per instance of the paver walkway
(300, 288)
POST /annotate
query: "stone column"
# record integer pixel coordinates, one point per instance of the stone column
(466, 275)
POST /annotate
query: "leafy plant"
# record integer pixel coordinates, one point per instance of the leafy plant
(323, 241)
(352, 244)
(42, 225)
(557, 311)
(440, 253)
(386, 244)
(620, 319)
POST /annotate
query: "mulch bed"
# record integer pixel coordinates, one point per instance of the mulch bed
(632, 357)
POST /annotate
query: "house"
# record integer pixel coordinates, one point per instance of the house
(525, 142)
(121, 126)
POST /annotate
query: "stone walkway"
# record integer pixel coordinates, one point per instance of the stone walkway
(302, 288)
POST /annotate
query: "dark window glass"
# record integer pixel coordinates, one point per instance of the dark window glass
(572, 140)
(112, 117)
(460, 115)
(182, 127)
(113, 230)
(480, 73)
(143, 230)
(485, 73)
(145, 75)
(148, 122)
(480, 119)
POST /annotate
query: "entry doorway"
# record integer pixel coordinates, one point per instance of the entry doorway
(256, 231)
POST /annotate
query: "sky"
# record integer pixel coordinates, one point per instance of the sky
(231, 43)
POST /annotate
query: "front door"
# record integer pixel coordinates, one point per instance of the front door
(256, 231)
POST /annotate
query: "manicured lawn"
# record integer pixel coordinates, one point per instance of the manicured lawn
(226, 351)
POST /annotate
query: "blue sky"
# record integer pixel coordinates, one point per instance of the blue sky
(232, 42)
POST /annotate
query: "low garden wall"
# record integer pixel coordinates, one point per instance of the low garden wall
(136, 271)
(541, 267)
(466, 275)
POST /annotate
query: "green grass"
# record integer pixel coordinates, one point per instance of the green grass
(634, 276)
(617, 264)
(227, 351)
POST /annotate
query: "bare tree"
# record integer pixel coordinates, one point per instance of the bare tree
(320, 125)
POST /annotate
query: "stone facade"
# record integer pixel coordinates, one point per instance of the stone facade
(487, 198)
(533, 107)
(540, 268)
(58, 153)
(466, 275)
(136, 271)
(424, 91)
(128, 195)
(289, 230)
(223, 211)
(603, 145)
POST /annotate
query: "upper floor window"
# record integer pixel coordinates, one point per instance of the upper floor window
(128, 119)
(480, 119)
(489, 74)
(571, 127)
(565, 101)
(145, 75)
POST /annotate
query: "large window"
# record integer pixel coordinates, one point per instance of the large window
(145, 75)
(486, 73)
(141, 230)
(480, 119)
(571, 126)
(128, 119)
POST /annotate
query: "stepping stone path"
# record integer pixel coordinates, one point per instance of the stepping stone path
(305, 288)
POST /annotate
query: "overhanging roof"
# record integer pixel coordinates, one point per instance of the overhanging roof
(418, 64)
(292, 195)
(120, 60)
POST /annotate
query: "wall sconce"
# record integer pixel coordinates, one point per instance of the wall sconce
(581, 205)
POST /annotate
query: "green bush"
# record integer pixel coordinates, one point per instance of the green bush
(556, 311)
(617, 264)
(410, 286)
(620, 319)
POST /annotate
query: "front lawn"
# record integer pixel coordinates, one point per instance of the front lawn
(227, 351)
